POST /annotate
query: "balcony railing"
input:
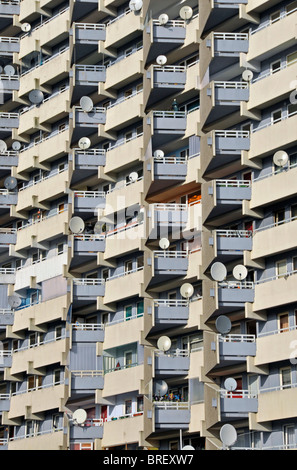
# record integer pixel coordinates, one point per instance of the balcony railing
(42, 218)
(170, 254)
(232, 85)
(171, 405)
(122, 367)
(65, 49)
(231, 36)
(125, 273)
(173, 353)
(233, 183)
(170, 114)
(87, 373)
(43, 178)
(236, 285)
(171, 23)
(277, 276)
(43, 23)
(233, 338)
(234, 233)
(87, 326)
(272, 122)
(238, 394)
(269, 22)
(275, 224)
(35, 434)
(88, 282)
(171, 303)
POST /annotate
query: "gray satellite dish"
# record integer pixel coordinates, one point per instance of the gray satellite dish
(76, 225)
(218, 271)
(84, 143)
(3, 146)
(164, 343)
(36, 96)
(161, 60)
(80, 416)
(86, 104)
(230, 384)
(159, 154)
(133, 176)
(280, 158)
(10, 182)
(240, 272)
(14, 300)
(9, 70)
(186, 13)
(164, 243)
(187, 290)
(163, 18)
(228, 435)
(26, 27)
(223, 324)
(247, 75)
(135, 5)
(16, 145)
(160, 388)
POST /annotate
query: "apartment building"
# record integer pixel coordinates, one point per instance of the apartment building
(147, 218)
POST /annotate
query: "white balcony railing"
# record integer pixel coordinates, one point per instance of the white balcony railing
(270, 21)
(236, 285)
(234, 233)
(238, 394)
(237, 338)
(87, 326)
(233, 183)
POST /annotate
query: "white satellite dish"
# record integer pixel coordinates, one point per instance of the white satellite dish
(36, 96)
(3, 146)
(133, 176)
(9, 70)
(140, 215)
(76, 225)
(280, 158)
(164, 343)
(164, 243)
(14, 300)
(240, 272)
(86, 104)
(187, 290)
(26, 27)
(159, 154)
(218, 271)
(80, 416)
(164, 18)
(247, 75)
(228, 435)
(160, 388)
(161, 60)
(223, 324)
(16, 145)
(10, 182)
(230, 384)
(186, 13)
(135, 5)
(84, 143)
(188, 448)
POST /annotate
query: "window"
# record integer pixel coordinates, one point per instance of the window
(276, 116)
(285, 377)
(128, 266)
(139, 404)
(253, 385)
(105, 274)
(60, 248)
(55, 422)
(294, 263)
(128, 51)
(33, 382)
(279, 216)
(289, 436)
(283, 322)
(128, 93)
(140, 262)
(128, 357)
(58, 332)
(34, 298)
(128, 136)
(61, 167)
(275, 16)
(128, 312)
(139, 130)
(62, 127)
(61, 208)
(275, 66)
(30, 428)
(281, 267)
(140, 308)
(128, 407)
(292, 109)
(57, 376)
(291, 7)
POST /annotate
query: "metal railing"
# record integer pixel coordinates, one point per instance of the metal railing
(7, 270)
(65, 49)
(43, 23)
(272, 121)
(171, 303)
(236, 285)
(170, 68)
(170, 254)
(238, 394)
(35, 434)
(88, 282)
(87, 326)
(42, 218)
(89, 194)
(233, 134)
(233, 183)
(237, 338)
(90, 26)
(125, 273)
(275, 224)
(171, 23)
(43, 178)
(278, 331)
(170, 114)
(172, 160)
(172, 405)
(277, 276)
(89, 237)
(173, 353)
(43, 139)
(231, 85)
(272, 21)
(234, 233)
(170, 207)
(87, 373)
(122, 367)
(231, 36)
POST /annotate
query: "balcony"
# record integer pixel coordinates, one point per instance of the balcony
(267, 411)
(162, 39)
(222, 101)
(8, 121)
(233, 295)
(5, 359)
(169, 313)
(4, 402)
(8, 160)
(9, 45)
(172, 415)
(6, 317)
(264, 239)
(124, 285)
(9, 83)
(168, 217)
(87, 290)
(124, 239)
(275, 291)
(172, 364)
(8, 8)
(275, 345)
(86, 381)
(235, 348)
(232, 243)
(124, 154)
(167, 126)
(89, 75)
(86, 37)
(86, 123)
(214, 12)
(53, 439)
(163, 81)
(85, 249)
(124, 112)
(170, 168)
(91, 429)
(168, 264)
(237, 404)
(7, 237)
(87, 333)
(122, 430)
(88, 201)
(116, 72)
(129, 377)
(122, 29)
(7, 275)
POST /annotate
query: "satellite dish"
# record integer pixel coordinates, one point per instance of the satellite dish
(9, 70)
(10, 182)
(16, 145)
(14, 300)
(159, 154)
(3, 146)
(80, 416)
(218, 271)
(187, 290)
(230, 384)
(161, 60)
(186, 13)
(76, 225)
(86, 104)
(84, 143)
(188, 448)
(240, 272)
(164, 343)
(135, 5)
(36, 96)
(26, 27)
(140, 216)
(164, 18)
(247, 75)
(160, 388)
(223, 324)
(164, 243)
(280, 158)
(133, 176)
(228, 435)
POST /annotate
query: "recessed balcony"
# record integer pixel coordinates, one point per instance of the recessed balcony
(168, 217)
(214, 12)
(170, 168)
(86, 123)
(232, 295)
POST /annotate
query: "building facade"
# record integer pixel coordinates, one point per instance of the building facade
(147, 157)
